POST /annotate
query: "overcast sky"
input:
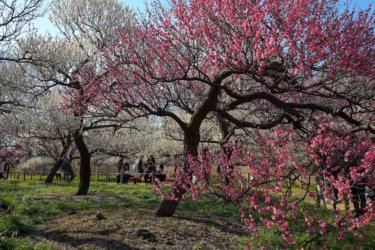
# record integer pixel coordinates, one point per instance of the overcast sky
(44, 25)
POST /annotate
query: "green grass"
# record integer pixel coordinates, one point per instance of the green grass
(24, 244)
(33, 202)
(13, 226)
(217, 208)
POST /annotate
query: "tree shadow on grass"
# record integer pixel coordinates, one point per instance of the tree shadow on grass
(63, 238)
(225, 226)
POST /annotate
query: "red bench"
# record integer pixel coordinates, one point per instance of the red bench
(169, 180)
(139, 179)
(135, 179)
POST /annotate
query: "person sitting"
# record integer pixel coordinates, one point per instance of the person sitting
(136, 171)
(150, 172)
(125, 172)
(161, 173)
(151, 159)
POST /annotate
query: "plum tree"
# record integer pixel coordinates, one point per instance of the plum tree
(288, 66)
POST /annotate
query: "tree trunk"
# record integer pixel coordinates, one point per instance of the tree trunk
(71, 173)
(59, 161)
(54, 170)
(226, 132)
(168, 206)
(191, 141)
(84, 170)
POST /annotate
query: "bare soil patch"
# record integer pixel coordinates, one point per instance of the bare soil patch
(118, 230)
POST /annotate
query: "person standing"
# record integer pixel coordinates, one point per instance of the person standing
(2, 168)
(140, 164)
(120, 164)
(151, 159)
(64, 168)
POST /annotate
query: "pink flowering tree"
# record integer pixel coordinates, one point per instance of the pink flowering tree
(344, 162)
(287, 66)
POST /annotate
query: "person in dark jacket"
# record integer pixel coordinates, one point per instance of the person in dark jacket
(120, 164)
(2, 168)
(161, 173)
(125, 172)
(140, 164)
(150, 172)
(151, 159)
(65, 169)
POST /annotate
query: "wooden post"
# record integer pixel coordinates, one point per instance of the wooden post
(31, 174)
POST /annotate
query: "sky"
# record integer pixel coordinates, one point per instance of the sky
(44, 25)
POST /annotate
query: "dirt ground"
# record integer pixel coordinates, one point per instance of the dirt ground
(118, 230)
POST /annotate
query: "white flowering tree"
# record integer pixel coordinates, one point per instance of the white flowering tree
(84, 27)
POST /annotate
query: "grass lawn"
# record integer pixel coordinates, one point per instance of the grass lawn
(52, 217)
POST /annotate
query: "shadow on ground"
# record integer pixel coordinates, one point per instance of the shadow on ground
(118, 231)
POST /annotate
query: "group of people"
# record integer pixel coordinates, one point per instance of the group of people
(146, 169)
(64, 169)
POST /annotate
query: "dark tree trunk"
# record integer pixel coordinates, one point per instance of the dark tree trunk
(59, 160)
(85, 169)
(226, 132)
(191, 142)
(168, 207)
(54, 170)
(71, 173)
